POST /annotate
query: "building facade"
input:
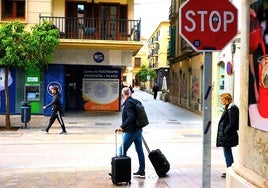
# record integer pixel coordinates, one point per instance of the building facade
(238, 69)
(186, 67)
(140, 59)
(97, 42)
(153, 55)
(157, 45)
(156, 51)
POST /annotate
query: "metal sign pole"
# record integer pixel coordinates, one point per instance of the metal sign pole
(207, 80)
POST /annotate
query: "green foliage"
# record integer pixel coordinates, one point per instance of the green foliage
(144, 72)
(11, 44)
(43, 42)
(28, 50)
(152, 74)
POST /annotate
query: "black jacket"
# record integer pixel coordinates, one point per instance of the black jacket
(227, 135)
(155, 88)
(55, 103)
(129, 116)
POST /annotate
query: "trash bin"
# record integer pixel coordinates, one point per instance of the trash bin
(25, 112)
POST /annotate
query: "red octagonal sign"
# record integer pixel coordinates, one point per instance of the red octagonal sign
(208, 25)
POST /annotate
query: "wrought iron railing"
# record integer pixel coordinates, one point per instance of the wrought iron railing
(185, 47)
(95, 28)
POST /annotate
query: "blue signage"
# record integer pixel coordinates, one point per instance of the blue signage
(98, 57)
(53, 84)
(55, 76)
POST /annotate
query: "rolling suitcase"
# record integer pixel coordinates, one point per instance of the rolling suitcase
(121, 167)
(158, 160)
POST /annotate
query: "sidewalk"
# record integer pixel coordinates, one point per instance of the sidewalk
(30, 158)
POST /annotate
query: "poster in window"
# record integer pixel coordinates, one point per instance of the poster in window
(101, 94)
(100, 88)
(258, 65)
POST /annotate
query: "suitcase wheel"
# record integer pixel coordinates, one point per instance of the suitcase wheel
(119, 183)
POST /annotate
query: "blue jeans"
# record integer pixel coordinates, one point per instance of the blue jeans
(228, 156)
(128, 139)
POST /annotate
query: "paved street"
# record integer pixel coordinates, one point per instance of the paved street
(82, 158)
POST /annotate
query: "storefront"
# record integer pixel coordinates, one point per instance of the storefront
(85, 87)
(12, 90)
(82, 87)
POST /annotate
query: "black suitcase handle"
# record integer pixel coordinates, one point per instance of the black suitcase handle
(146, 145)
(116, 132)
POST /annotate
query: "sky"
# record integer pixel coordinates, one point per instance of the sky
(151, 12)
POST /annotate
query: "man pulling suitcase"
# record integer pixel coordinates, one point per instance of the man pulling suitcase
(131, 132)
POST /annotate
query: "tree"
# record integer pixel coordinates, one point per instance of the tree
(152, 74)
(29, 50)
(144, 73)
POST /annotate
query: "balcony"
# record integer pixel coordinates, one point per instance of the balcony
(154, 52)
(95, 28)
(172, 11)
(185, 47)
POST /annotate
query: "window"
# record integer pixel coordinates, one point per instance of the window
(13, 9)
(137, 63)
(221, 75)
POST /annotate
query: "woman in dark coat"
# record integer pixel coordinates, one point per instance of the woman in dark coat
(227, 136)
(56, 110)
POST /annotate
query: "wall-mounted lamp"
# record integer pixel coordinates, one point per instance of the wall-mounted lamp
(233, 47)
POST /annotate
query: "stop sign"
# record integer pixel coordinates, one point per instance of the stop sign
(208, 25)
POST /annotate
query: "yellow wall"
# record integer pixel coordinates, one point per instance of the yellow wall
(163, 42)
(34, 8)
(58, 8)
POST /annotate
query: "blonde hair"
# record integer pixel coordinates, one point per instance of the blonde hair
(228, 97)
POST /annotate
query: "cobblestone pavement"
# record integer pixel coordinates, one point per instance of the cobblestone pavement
(29, 158)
